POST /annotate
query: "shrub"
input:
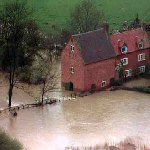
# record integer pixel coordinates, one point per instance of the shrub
(6, 143)
(147, 69)
(143, 89)
(136, 72)
(114, 82)
(24, 74)
(146, 75)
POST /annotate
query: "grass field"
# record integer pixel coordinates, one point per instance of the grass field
(48, 12)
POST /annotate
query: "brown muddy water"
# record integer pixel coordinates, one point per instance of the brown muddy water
(102, 117)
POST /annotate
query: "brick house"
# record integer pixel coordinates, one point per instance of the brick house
(89, 59)
(132, 49)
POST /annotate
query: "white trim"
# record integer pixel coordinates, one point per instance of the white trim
(141, 57)
(124, 61)
(72, 48)
(103, 84)
(128, 72)
(141, 45)
(142, 69)
(126, 49)
(72, 70)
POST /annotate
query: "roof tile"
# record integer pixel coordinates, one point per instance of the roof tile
(94, 46)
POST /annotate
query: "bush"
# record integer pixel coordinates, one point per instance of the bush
(24, 74)
(136, 72)
(114, 82)
(143, 89)
(6, 143)
(147, 69)
(147, 72)
(29, 74)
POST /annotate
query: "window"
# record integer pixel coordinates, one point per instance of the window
(103, 84)
(141, 57)
(128, 73)
(124, 61)
(142, 69)
(124, 49)
(72, 70)
(141, 45)
(72, 48)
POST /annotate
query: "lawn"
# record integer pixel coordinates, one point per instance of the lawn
(57, 12)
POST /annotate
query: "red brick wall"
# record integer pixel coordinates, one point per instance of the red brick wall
(86, 75)
(69, 60)
(133, 62)
(97, 72)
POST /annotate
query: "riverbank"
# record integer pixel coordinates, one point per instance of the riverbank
(137, 82)
(139, 85)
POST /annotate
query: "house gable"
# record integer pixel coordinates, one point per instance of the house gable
(72, 66)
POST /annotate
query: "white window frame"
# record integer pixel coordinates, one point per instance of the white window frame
(129, 72)
(141, 45)
(142, 69)
(125, 46)
(72, 70)
(72, 48)
(124, 62)
(103, 83)
(141, 57)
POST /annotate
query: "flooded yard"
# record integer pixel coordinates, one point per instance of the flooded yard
(108, 116)
(102, 117)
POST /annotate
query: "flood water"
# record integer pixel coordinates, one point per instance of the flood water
(95, 119)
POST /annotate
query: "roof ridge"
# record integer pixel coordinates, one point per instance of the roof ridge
(126, 32)
(101, 29)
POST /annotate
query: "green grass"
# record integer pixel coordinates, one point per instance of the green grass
(48, 12)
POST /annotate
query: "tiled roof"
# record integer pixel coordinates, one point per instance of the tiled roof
(94, 46)
(131, 38)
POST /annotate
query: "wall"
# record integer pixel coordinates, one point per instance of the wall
(97, 72)
(133, 62)
(69, 60)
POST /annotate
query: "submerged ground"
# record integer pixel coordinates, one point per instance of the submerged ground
(102, 117)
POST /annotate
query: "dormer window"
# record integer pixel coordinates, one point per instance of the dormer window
(124, 49)
(72, 48)
(141, 45)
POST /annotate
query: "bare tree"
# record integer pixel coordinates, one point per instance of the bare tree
(46, 68)
(44, 74)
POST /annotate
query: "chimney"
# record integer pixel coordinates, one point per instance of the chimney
(106, 27)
